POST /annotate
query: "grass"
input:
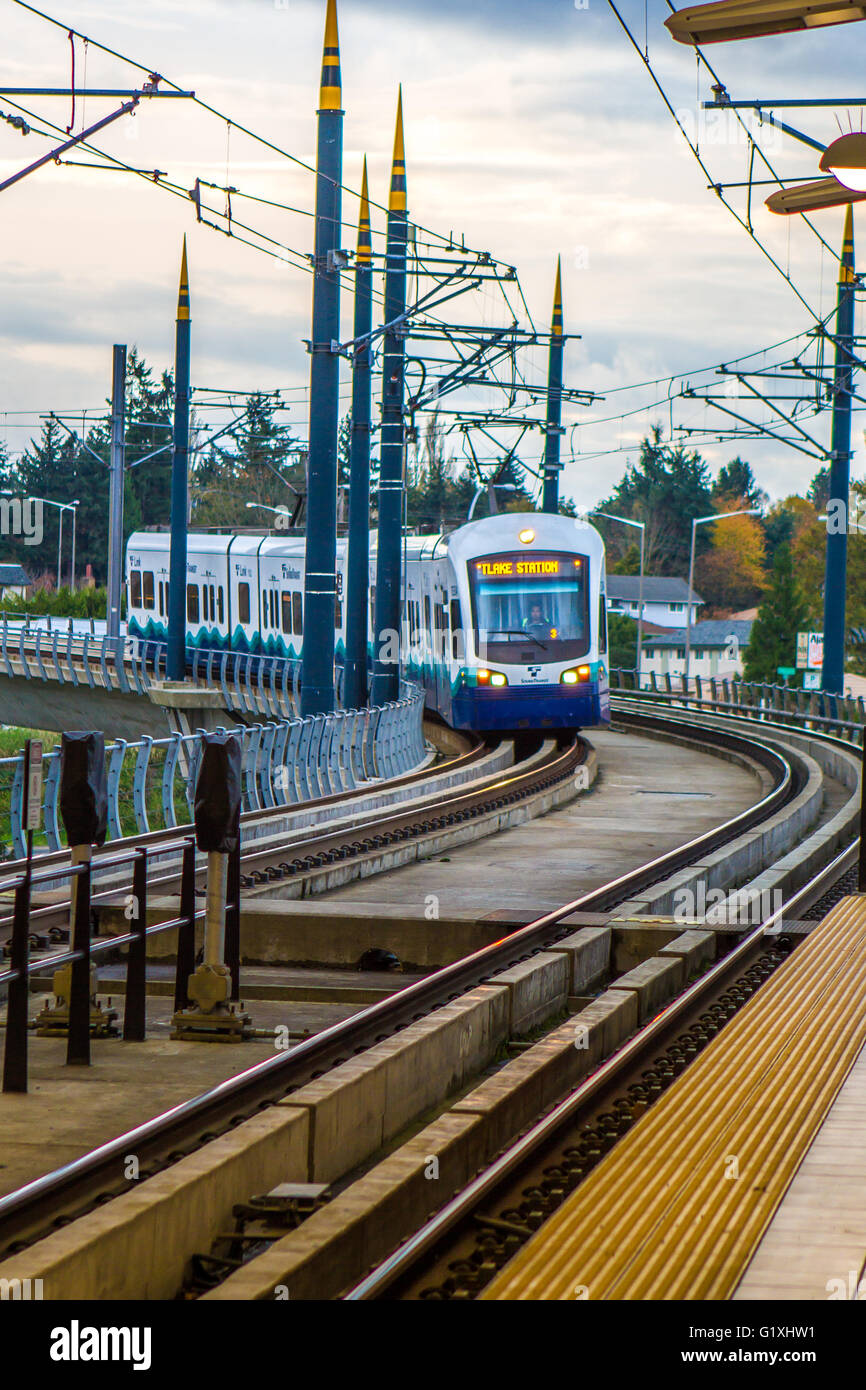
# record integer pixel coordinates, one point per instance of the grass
(12, 740)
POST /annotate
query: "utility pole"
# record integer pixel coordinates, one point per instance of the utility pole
(552, 465)
(835, 571)
(115, 502)
(176, 653)
(386, 669)
(358, 563)
(318, 695)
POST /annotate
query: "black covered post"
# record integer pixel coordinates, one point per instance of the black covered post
(84, 812)
(186, 930)
(135, 1012)
(217, 810)
(233, 921)
(15, 1054)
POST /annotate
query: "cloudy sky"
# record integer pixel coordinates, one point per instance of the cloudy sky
(531, 128)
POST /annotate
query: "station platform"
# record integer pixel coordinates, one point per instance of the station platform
(745, 1179)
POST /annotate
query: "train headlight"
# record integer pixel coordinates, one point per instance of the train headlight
(497, 678)
(574, 677)
(526, 537)
(482, 677)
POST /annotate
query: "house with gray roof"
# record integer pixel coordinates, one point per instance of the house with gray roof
(13, 582)
(717, 649)
(666, 602)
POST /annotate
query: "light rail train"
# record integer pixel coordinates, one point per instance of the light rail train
(504, 620)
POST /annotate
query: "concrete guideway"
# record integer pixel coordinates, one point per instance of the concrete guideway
(535, 1006)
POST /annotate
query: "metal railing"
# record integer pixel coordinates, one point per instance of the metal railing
(58, 650)
(805, 708)
(284, 762)
(83, 947)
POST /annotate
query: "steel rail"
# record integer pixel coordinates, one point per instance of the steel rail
(318, 848)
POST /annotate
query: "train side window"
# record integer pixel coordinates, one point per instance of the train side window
(264, 608)
(602, 626)
(204, 602)
(286, 601)
(134, 589)
(244, 603)
(212, 603)
(147, 588)
(427, 623)
(274, 605)
(221, 606)
(457, 649)
(161, 609)
(297, 614)
(192, 603)
(338, 614)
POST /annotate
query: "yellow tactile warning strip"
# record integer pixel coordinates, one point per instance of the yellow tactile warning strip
(677, 1208)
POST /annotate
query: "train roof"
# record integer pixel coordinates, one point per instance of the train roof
(503, 532)
(488, 534)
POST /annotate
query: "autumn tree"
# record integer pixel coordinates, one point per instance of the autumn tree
(731, 574)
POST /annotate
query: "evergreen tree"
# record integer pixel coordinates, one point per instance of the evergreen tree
(622, 641)
(780, 617)
(737, 482)
(261, 465)
(436, 498)
(819, 490)
(629, 562)
(666, 488)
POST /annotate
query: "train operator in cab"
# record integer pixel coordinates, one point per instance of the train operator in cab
(536, 625)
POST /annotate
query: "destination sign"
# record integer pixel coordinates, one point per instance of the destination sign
(529, 567)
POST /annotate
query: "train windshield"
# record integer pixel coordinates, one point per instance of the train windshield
(531, 607)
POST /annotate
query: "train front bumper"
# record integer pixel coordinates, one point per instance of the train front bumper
(536, 707)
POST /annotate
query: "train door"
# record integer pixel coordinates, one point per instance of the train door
(442, 641)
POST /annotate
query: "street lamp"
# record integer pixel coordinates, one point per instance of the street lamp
(751, 19)
(696, 522)
(627, 521)
(489, 487)
(61, 507)
(278, 511)
(845, 159)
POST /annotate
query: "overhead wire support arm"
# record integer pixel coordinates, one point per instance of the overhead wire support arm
(758, 429)
(68, 144)
(147, 90)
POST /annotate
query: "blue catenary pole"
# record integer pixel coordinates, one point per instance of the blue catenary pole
(840, 465)
(176, 653)
(386, 668)
(318, 694)
(358, 564)
(550, 495)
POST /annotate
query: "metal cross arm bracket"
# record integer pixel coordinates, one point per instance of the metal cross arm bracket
(334, 347)
(124, 110)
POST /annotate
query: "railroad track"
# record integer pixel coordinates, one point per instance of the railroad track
(446, 799)
(463, 1248)
(55, 1199)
